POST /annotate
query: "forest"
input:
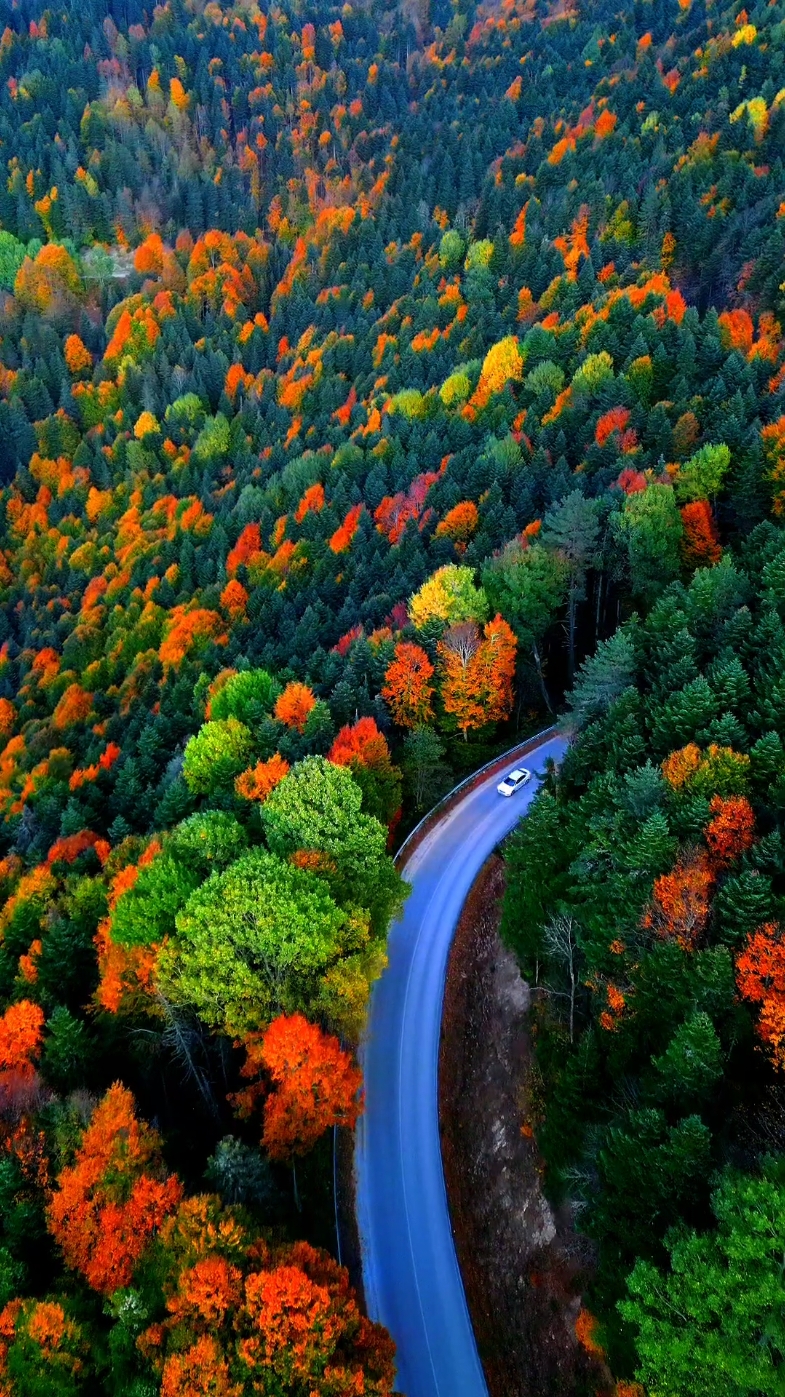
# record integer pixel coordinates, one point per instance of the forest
(379, 383)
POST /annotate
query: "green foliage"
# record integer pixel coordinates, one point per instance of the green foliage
(451, 249)
(253, 942)
(712, 1321)
(650, 528)
(146, 912)
(12, 255)
(210, 840)
(212, 442)
(595, 371)
(219, 752)
(702, 476)
(68, 1051)
(692, 1066)
(318, 809)
(248, 696)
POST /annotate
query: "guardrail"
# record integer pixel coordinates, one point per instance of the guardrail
(420, 830)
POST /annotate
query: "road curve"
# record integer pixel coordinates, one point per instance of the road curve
(410, 1269)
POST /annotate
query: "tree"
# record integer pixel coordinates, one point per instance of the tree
(44, 1352)
(144, 913)
(572, 530)
(712, 1322)
(604, 677)
(21, 1039)
(258, 781)
(760, 975)
(107, 1205)
(700, 545)
(317, 811)
(680, 902)
(316, 1085)
(425, 775)
(495, 670)
(12, 255)
(476, 673)
(701, 477)
(216, 755)
(407, 689)
(248, 696)
(287, 1321)
(460, 697)
(74, 706)
(255, 941)
(294, 704)
(732, 830)
(528, 586)
(561, 948)
(650, 528)
(450, 597)
(363, 749)
(691, 1067)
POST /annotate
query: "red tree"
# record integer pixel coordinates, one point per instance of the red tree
(760, 976)
(407, 689)
(316, 1085)
(731, 831)
(680, 903)
(700, 544)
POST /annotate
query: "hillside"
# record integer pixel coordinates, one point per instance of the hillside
(370, 376)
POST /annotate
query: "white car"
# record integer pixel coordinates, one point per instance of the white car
(513, 781)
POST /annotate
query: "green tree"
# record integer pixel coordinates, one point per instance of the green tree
(604, 677)
(713, 1323)
(449, 597)
(216, 754)
(317, 809)
(692, 1064)
(528, 586)
(211, 840)
(253, 942)
(12, 255)
(701, 477)
(426, 777)
(146, 912)
(248, 696)
(650, 529)
(572, 529)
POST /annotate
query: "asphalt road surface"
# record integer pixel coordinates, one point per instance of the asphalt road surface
(410, 1270)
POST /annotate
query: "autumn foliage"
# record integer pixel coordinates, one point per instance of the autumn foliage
(407, 687)
(315, 1085)
(294, 704)
(258, 781)
(21, 1039)
(760, 975)
(109, 1202)
(732, 829)
(477, 670)
(680, 903)
(700, 543)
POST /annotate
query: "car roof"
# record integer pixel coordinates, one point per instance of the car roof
(519, 771)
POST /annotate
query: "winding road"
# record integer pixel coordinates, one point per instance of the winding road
(410, 1269)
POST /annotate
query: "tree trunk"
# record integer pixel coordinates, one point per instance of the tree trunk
(541, 677)
(298, 1205)
(571, 631)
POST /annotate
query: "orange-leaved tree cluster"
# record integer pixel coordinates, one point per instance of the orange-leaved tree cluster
(407, 687)
(315, 1085)
(108, 1204)
(760, 976)
(477, 670)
